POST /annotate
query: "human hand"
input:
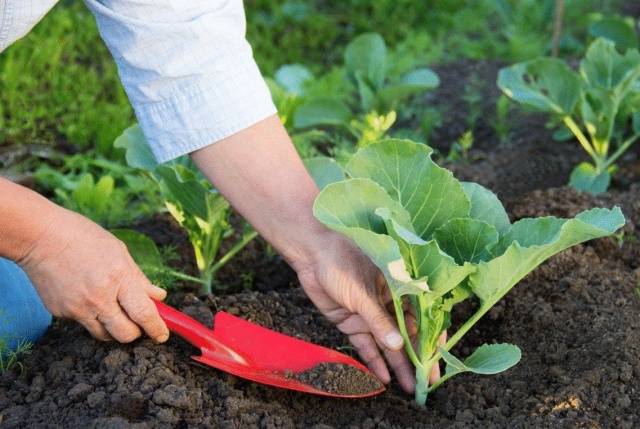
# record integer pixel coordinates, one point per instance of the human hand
(351, 292)
(84, 273)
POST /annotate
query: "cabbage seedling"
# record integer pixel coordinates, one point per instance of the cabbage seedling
(439, 242)
(603, 99)
(198, 208)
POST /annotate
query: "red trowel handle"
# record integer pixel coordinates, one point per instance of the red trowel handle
(196, 334)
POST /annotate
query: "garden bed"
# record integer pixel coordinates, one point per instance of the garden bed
(575, 319)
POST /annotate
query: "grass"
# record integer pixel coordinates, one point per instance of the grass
(60, 84)
(10, 360)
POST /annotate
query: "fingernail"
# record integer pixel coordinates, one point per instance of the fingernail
(393, 340)
(163, 338)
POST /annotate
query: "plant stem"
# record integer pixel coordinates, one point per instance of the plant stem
(582, 139)
(465, 328)
(397, 305)
(454, 340)
(207, 282)
(183, 276)
(621, 149)
(442, 379)
(246, 238)
(422, 384)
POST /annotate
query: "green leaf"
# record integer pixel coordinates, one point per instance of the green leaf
(467, 240)
(292, 77)
(83, 192)
(102, 193)
(425, 258)
(586, 178)
(414, 82)
(349, 207)
(367, 55)
(493, 358)
(486, 206)
(604, 67)
(190, 194)
(443, 274)
(353, 203)
(324, 170)
(617, 30)
(423, 78)
(138, 153)
(635, 119)
(599, 109)
(367, 94)
(321, 111)
(91, 198)
(405, 170)
(541, 239)
(487, 359)
(143, 250)
(545, 84)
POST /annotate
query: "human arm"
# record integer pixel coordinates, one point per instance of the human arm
(80, 270)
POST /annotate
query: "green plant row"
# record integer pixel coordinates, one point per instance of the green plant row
(599, 105)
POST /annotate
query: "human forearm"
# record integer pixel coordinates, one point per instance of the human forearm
(24, 216)
(261, 174)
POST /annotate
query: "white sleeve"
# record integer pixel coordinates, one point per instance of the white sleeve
(187, 68)
(17, 17)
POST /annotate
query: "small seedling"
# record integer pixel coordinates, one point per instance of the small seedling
(622, 237)
(193, 203)
(439, 242)
(600, 105)
(460, 149)
(10, 359)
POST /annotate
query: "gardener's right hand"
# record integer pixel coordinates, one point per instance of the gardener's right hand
(83, 272)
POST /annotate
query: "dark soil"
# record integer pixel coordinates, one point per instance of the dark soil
(337, 378)
(575, 318)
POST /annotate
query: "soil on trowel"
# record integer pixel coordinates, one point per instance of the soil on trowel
(338, 378)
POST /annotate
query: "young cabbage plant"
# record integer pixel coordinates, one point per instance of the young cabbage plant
(439, 242)
(365, 59)
(600, 105)
(193, 203)
(365, 63)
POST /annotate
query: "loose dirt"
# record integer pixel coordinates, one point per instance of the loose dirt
(337, 378)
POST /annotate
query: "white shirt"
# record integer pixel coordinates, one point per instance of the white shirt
(186, 65)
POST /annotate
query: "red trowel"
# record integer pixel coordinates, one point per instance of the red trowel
(250, 351)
